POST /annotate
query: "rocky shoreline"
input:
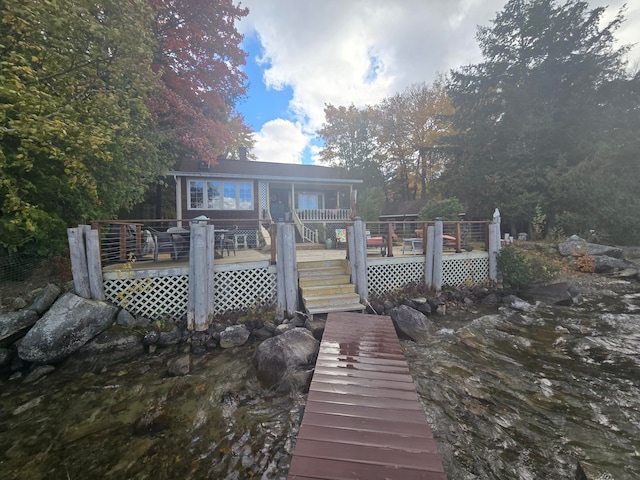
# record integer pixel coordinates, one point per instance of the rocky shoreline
(49, 325)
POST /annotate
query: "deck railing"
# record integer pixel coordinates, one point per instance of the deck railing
(327, 214)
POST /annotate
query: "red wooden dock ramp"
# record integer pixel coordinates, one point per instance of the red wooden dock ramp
(363, 418)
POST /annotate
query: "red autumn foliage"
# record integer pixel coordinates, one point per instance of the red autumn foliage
(199, 62)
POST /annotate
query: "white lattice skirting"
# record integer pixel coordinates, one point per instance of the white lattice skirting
(384, 275)
(157, 294)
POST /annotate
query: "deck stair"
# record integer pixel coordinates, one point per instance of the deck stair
(325, 286)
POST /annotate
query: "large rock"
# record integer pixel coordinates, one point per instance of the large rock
(555, 294)
(15, 324)
(607, 264)
(285, 363)
(410, 323)
(113, 345)
(234, 336)
(45, 298)
(70, 323)
(576, 244)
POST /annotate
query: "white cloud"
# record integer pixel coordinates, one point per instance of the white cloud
(361, 51)
(280, 141)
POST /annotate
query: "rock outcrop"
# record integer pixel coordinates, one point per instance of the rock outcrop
(285, 362)
(70, 323)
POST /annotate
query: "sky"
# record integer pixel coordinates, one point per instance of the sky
(303, 54)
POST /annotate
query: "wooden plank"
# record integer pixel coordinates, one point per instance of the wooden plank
(363, 422)
(94, 266)
(79, 269)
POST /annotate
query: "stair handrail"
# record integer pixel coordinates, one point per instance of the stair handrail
(307, 234)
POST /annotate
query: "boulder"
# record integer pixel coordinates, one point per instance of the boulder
(15, 324)
(607, 264)
(234, 336)
(70, 323)
(285, 362)
(516, 303)
(171, 337)
(114, 345)
(180, 366)
(18, 303)
(554, 294)
(45, 298)
(577, 244)
(125, 319)
(316, 327)
(410, 323)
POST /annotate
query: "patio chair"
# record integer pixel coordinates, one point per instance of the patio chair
(172, 241)
(229, 240)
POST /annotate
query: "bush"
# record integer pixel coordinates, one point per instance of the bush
(520, 268)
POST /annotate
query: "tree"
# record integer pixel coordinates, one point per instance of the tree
(412, 128)
(536, 110)
(199, 61)
(75, 130)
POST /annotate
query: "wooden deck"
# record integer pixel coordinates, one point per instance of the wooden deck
(363, 418)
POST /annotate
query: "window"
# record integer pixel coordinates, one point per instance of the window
(308, 201)
(220, 195)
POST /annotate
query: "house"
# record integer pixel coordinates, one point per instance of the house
(252, 193)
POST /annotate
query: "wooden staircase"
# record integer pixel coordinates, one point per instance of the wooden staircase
(325, 286)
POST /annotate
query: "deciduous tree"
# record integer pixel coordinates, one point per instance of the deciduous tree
(199, 60)
(74, 128)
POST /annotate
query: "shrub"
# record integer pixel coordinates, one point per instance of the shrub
(520, 268)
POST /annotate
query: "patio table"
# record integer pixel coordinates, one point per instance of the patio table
(414, 243)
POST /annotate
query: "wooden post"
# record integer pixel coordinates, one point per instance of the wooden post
(79, 267)
(281, 295)
(494, 250)
(428, 242)
(360, 254)
(290, 268)
(211, 287)
(200, 269)
(458, 238)
(351, 256)
(437, 256)
(390, 234)
(94, 266)
(191, 292)
(274, 243)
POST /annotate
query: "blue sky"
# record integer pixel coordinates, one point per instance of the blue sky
(303, 54)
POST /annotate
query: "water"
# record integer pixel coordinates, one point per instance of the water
(131, 421)
(528, 395)
(509, 396)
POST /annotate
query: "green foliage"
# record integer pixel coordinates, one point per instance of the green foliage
(371, 202)
(514, 267)
(520, 268)
(447, 209)
(549, 119)
(539, 222)
(80, 131)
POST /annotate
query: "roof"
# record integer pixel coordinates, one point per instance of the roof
(264, 171)
(407, 208)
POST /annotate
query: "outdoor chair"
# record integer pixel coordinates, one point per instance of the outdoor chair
(172, 241)
(229, 240)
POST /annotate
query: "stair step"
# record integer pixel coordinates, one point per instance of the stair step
(321, 271)
(311, 264)
(334, 299)
(327, 290)
(347, 307)
(324, 280)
